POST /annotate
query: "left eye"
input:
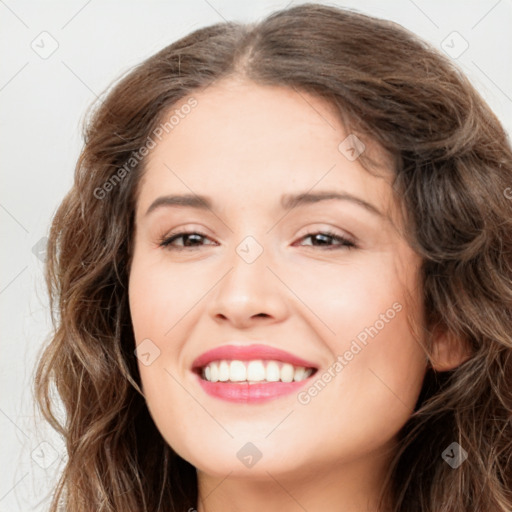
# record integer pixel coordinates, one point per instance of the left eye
(325, 237)
(193, 239)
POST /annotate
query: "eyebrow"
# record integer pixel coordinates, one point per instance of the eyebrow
(288, 201)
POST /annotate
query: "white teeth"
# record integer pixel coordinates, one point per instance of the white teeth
(237, 371)
(273, 374)
(223, 371)
(300, 374)
(214, 373)
(287, 372)
(254, 371)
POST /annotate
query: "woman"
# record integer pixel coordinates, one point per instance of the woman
(283, 279)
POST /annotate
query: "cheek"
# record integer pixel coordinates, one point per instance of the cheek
(154, 309)
(157, 302)
(367, 308)
(369, 395)
(350, 297)
(159, 296)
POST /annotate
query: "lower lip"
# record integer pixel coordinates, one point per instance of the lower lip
(243, 392)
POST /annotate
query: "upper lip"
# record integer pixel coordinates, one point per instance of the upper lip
(249, 352)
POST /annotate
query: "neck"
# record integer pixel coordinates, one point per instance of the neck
(353, 487)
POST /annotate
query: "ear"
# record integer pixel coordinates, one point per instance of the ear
(448, 350)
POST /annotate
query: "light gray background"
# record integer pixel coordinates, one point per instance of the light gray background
(43, 100)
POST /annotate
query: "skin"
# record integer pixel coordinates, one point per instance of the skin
(244, 145)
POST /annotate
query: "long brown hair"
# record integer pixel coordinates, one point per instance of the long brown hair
(453, 166)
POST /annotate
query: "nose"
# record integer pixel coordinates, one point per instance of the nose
(249, 294)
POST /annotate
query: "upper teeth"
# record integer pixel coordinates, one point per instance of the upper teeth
(254, 371)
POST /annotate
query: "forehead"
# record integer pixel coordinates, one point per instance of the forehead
(246, 140)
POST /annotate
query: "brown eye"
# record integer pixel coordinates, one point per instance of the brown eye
(190, 239)
(325, 239)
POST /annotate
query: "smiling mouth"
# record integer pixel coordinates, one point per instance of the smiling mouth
(253, 372)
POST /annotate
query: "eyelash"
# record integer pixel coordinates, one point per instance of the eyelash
(345, 243)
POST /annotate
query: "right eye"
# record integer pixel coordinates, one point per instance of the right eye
(189, 239)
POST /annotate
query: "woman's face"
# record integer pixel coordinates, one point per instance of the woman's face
(324, 279)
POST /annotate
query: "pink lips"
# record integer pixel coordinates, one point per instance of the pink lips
(248, 352)
(243, 392)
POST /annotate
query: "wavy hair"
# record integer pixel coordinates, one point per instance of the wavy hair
(453, 167)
